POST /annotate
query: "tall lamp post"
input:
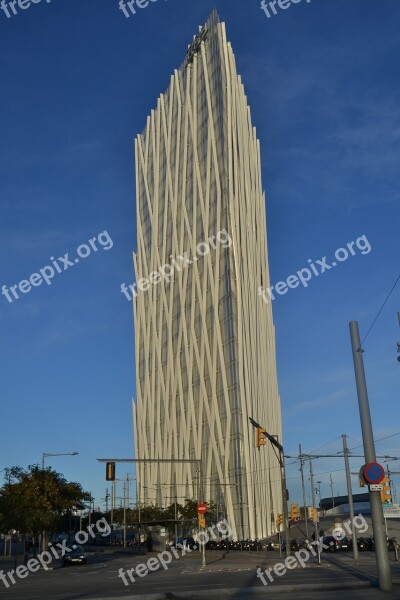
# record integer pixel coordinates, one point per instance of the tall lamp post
(285, 494)
(56, 454)
(44, 454)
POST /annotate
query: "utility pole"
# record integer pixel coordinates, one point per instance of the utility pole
(285, 494)
(398, 343)
(124, 514)
(378, 524)
(106, 499)
(112, 509)
(333, 497)
(316, 520)
(304, 492)
(350, 495)
(176, 516)
(90, 516)
(389, 473)
(127, 490)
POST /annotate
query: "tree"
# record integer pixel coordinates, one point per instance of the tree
(35, 499)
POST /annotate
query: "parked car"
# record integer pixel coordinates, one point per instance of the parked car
(345, 544)
(75, 556)
(334, 545)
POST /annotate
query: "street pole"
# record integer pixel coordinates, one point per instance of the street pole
(138, 504)
(304, 492)
(316, 520)
(16, 550)
(350, 495)
(333, 497)
(107, 497)
(176, 516)
(112, 509)
(201, 486)
(124, 514)
(90, 517)
(127, 490)
(378, 524)
(285, 502)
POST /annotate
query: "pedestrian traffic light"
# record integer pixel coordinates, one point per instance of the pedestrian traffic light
(260, 437)
(314, 515)
(110, 471)
(279, 520)
(386, 494)
(294, 511)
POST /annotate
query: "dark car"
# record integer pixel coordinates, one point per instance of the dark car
(75, 556)
(345, 544)
(335, 545)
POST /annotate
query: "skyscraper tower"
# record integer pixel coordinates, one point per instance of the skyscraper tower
(204, 339)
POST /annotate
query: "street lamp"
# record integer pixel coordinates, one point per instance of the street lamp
(57, 454)
(44, 454)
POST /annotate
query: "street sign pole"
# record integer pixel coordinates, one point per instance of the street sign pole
(304, 492)
(350, 496)
(316, 513)
(285, 496)
(382, 557)
(201, 510)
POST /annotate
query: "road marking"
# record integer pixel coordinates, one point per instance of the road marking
(174, 587)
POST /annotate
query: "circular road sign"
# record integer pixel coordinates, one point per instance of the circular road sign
(374, 472)
(201, 508)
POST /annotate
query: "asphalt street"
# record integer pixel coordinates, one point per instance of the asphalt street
(186, 577)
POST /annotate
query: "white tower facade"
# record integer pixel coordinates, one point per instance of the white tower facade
(204, 339)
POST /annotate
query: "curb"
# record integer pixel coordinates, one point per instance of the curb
(252, 592)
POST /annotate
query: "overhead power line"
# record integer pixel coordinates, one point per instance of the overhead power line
(380, 310)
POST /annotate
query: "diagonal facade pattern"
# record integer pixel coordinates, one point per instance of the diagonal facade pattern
(204, 342)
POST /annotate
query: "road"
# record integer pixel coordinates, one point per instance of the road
(237, 571)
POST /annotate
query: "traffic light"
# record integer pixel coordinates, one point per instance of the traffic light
(398, 351)
(314, 515)
(110, 471)
(279, 521)
(260, 437)
(294, 511)
(386, 494)
(202, 521)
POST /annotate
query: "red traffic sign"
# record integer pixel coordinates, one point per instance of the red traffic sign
(201, 508)
(374, 472)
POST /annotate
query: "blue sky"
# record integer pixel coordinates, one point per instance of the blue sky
(77, 82)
